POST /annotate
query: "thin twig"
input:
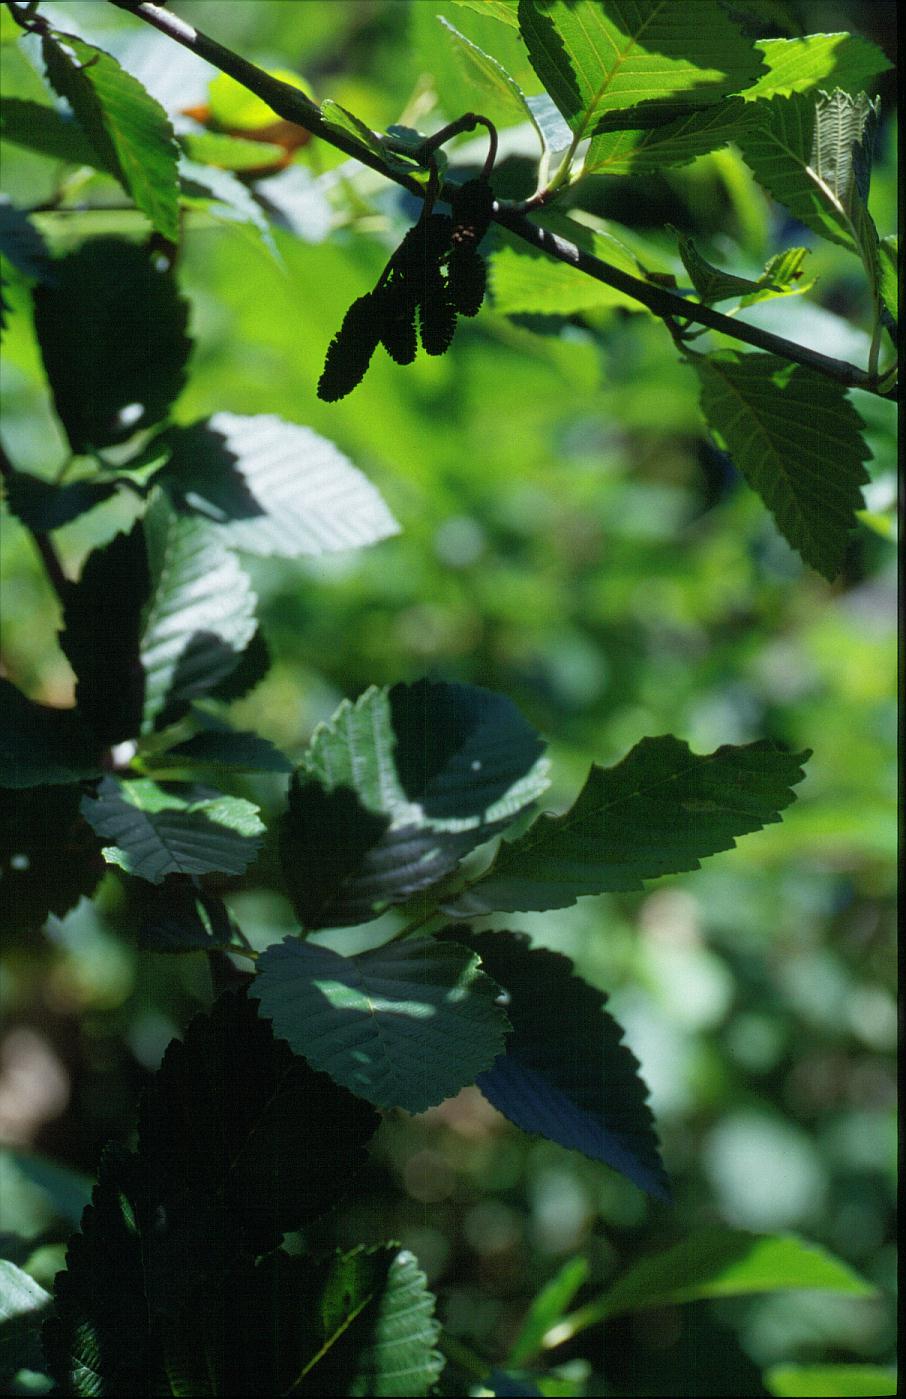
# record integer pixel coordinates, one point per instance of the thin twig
(290, 104)
(49, 558)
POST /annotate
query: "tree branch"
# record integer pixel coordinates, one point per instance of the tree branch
(52, 565)
(290, 104)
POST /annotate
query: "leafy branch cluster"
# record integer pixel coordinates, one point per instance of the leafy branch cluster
(419, 798)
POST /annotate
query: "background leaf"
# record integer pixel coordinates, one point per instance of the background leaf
(201, 614)
(21, 242)
(42, 877)
(128, 365)
(659, 811)
(722, 1262)
(186, 830)
(403, 1026)
(793, 1381)
(565, 1073)
(272, 487)
(129, 129)
(797, 440)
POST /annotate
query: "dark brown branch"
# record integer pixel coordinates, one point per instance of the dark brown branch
(290, 104)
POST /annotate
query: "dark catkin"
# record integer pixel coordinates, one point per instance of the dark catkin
(397, 319)
(467, 279)
(472, 205)
(349, 352)
(436, 315)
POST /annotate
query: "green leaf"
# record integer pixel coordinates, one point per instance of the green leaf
(524, 281)
(660, 811)
(21, 243)
(157, 831)
(40, 876)
(128, 128)
(253, 665)
(63, 1190)
(102, 616)
(349, 124)
(233, 105)
(406, 1025)
(223, 195)
(229, 152)
(97, 1339)
(176, 917)
(546, 1310)
(813, 154)
(723, 1262)
(844, 61)
(272, 487)
(888, 257)
(357, 1324)
(793, 1381)
(634, 63)
(782, 276)
(675, 143)
(395, 789)
(49, 132)
(797, 440)
(44, 505)
(201, 616)
(709, 281)
(489, 75)
(273, 1160)
(23, 1304)
(125, 374)
(566, 1074)
(43, 746)
(504, 10)
(221, 747)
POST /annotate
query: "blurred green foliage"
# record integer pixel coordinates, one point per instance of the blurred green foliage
(570, 539)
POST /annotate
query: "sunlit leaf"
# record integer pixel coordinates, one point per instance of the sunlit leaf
(833, 1381)
(846, 61)
(129, 129)
(272, 487)
(156, 831)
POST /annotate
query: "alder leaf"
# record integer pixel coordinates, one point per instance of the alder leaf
(634, 63)
(813, 153)
(24, 1304)
(21, 243)
(395, 789)
(644, 152)
(889, 257)
(660, 811)
(177, 917)
(406, 1025)
(180, 829)
(126, 368)
(129, 129)
(39, 876)
(102, 616)
(711, 283)
(273, 1160)
(49, 132)
(201, 614)
(490, 75)
(272, 487)
(43, 746)
(565, 1073)
(846, 61)
(796, 438)
(359, 1323)
(44, 505)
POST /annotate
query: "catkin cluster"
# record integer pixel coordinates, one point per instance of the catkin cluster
(435, 275)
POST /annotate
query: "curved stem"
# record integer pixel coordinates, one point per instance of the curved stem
(292, 105)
